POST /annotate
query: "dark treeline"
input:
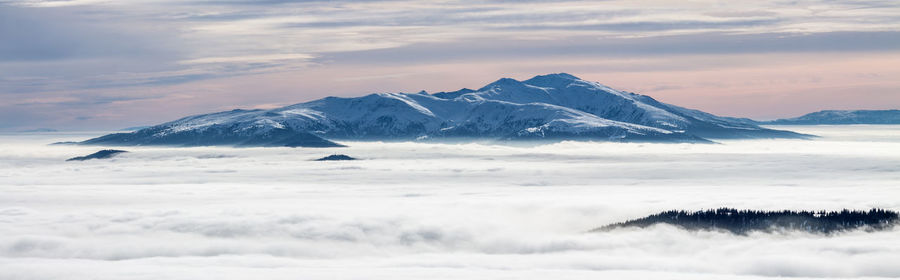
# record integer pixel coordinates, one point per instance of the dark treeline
(743, 221)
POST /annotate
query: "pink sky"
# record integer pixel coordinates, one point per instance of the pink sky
(107, 65)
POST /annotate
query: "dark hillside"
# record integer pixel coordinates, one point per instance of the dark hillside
(744, 221)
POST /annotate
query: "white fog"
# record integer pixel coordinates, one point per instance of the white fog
(440, 211)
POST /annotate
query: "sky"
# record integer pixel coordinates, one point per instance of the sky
(100, 65)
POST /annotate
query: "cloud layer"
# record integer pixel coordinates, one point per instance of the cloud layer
(411, 210)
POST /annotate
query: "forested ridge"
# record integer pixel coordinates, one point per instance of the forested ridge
(744, 221)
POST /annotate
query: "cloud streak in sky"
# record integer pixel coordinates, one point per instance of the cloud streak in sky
(57, 49)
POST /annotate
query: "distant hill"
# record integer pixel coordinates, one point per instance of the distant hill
(336, 157)
(547, 107)
(842, 117)
(98, 155)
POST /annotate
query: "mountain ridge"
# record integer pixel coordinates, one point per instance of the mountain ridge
(841, 117)
(550, 107)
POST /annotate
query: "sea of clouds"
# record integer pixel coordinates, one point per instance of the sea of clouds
(439, 211)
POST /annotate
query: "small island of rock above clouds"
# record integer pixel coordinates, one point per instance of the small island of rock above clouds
(336, 157)
(547, 107)
(102, 154)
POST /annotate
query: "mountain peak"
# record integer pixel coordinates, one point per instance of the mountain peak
(547, 80)
(557, 76)
(502, 82)
(552, 80)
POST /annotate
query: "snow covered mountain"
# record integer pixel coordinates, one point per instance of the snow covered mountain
(234, 128)
(843, 117)
(546, 107)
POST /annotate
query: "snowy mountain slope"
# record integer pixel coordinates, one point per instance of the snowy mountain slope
(591, 97)
(234, 128)
(511, 121)
(843, 117)
(554, 107)
(707, 125)
(415, 116)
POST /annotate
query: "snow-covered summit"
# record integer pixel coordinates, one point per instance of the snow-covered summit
(554, 106)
